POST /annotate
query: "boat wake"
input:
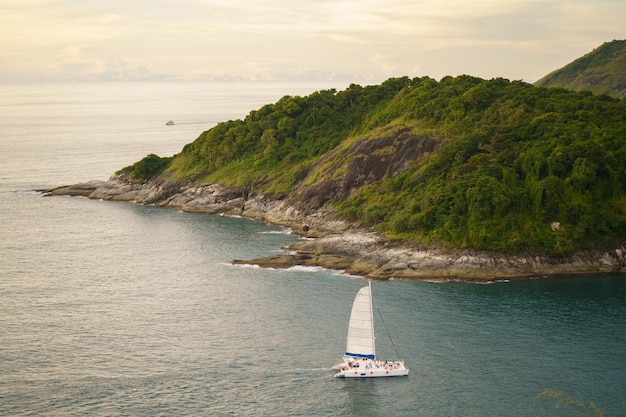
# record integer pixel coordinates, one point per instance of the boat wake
(310, 370)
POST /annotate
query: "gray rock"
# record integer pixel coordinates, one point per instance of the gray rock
(340, 244)
(83, 189)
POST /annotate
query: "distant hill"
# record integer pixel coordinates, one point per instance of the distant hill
(602, 71)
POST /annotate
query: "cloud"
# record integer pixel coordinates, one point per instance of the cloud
(370, 39)
(122, 71)
(384, 63)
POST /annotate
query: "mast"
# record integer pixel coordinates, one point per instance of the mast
(369, 283)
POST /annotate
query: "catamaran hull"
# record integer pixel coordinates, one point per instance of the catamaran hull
(375, 373)
(369, 368)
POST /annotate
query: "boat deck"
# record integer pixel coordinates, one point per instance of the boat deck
(369, 368)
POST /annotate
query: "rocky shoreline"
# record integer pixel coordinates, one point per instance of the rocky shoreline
(338, 244)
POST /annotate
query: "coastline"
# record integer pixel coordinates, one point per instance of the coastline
(338, 244)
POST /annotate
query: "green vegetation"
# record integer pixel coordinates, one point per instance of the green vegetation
(602, 71)
(520, 168)
(526, 169)
(149, 167)
(274, 143)
(566, 401)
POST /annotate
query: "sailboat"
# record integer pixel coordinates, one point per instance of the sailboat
(360, 359)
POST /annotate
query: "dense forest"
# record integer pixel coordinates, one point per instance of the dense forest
(519, 169)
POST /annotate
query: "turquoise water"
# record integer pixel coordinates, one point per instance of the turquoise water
(119, 309)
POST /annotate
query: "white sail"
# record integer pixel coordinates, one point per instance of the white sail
(360, 359)
(361, 328)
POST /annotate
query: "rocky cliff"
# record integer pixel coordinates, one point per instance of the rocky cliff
(340, 244)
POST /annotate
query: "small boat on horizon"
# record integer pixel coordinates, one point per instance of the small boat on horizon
(170, 123)
(360, 359)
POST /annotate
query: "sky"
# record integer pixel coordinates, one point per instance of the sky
(352, 40)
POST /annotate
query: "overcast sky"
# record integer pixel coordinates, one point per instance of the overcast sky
(359, 40)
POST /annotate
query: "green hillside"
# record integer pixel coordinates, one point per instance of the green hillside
(602, 71)
(518, 168)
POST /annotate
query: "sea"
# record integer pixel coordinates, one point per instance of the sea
(120, 309)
